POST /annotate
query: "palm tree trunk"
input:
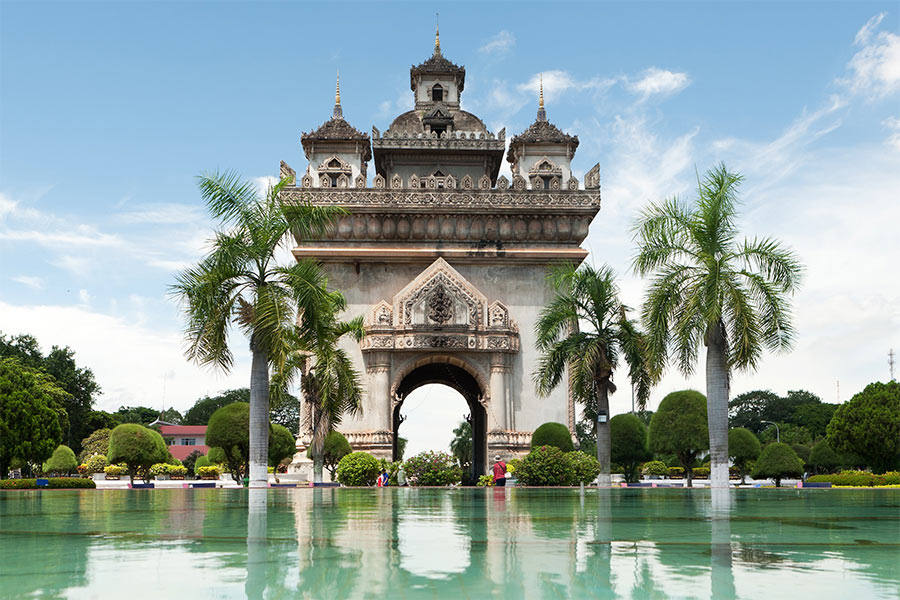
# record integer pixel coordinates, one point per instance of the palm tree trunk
(259, 418)
(604, 446)
(717, 404)
(320, 431)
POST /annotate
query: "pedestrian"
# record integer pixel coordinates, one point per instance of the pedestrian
(499, 472)
(401, 476)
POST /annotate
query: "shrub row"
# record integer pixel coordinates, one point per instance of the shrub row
(858, 479)
(54, 482)
(167, 469)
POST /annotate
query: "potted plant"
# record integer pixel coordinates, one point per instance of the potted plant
(177, 471)
(209, 472)
(114, 471)
(160, 471)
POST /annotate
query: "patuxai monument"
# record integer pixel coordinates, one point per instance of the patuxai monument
(445, 258)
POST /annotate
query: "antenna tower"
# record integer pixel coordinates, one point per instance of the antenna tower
(891, 362)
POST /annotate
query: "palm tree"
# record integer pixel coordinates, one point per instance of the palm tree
(707, 286)
(329, 382)
(590, 297)
(239, 282)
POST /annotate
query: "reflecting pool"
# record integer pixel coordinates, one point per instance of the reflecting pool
(463, 543)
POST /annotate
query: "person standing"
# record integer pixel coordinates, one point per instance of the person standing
(499, 472)
(401, 476)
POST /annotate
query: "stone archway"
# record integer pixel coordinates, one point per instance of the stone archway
(440, 370)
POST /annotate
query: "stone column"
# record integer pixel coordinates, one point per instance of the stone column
(379, 370)
(499, 416)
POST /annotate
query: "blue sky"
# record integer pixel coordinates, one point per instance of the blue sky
(108, 111)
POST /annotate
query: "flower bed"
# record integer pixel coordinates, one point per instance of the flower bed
(858, 479)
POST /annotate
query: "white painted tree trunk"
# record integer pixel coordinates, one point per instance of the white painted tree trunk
(320, 431)
(259, 419)
(604, 445)
(717, 405)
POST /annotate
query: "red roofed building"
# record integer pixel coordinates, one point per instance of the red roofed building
(184, 439)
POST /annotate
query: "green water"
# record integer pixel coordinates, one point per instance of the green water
(467, 543)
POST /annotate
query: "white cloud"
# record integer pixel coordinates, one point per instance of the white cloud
(875, 68)
(557, 82)
(128, 359)
(35, 283)
(80, 235)
(7, 205)
(501, 43)
(655, 81)
(264, 182)
(893, 125)
(84, 297)
(76, 265)
(162, 214)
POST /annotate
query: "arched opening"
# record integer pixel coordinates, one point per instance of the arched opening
(437, 93)
(468, 387)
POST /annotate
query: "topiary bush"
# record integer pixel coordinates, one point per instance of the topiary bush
(546, 465)
(679, 427)
(628, 438)
(207, 471)
(61, 461)
(869, 425)
(138, 447)
(776, 461)
(229, 430)
(676, 472)
(202, 461)
(743, 447)
(281, 444)
(179, 471)
(114, 471)
(216, 456)
(335, 448)
(432, 468)
(656, 467)
(358, 469)
(823, 459)
(552, 434)
(585, 467)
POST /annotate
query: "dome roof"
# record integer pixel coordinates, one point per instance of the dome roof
(411, 122)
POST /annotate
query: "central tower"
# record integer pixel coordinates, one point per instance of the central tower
(445, 258)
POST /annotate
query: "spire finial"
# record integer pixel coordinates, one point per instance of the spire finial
(338, 113)
(337, 89)
(541, 105)
(541, 114)
(437, 33)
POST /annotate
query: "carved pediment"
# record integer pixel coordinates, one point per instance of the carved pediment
(439, 297)
(380, 317)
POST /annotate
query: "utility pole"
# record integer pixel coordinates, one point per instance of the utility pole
(891, 362)
(839, 391)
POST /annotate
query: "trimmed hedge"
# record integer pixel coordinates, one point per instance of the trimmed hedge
(701, 472)
(358, 469)
(546, 465)
(858, 479)
(432, 468)
(54, 482)
(655, 467)
(585, 467)
(552, 434)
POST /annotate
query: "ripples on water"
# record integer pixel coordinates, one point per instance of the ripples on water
(465, 543)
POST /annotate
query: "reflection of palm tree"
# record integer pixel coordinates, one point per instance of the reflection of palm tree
(721, 574)
(257, 544)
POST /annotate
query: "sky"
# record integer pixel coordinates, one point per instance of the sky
(108, 111)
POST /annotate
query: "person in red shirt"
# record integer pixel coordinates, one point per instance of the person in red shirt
(499, 472)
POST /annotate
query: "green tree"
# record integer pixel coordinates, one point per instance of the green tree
(708, 287)
(552, 434)
(281, 445)
(679, 427)
(589, 296)
(204, 408)
(170, 415)
(229, 430)
(239, 282)
(285, 411)
(401, 447)
(78, 384)
(61, 461)
(743, 447)
(216, 456)
(778, 460)
(629, 444)
(336, 448)
(823, 459)
(869, 425)
(190, 461)
(96, 443)
(802, 451)
(142, 415)
(29, 421)
(461, 445)
(750, 409)
(814, 417)
(138, 447)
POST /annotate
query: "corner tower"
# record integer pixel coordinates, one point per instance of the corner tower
(338, 153)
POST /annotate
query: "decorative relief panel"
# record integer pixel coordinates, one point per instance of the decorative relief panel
(383, 198)
(592, 178)
(378, 182)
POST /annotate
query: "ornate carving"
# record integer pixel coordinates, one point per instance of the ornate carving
(343, 181)
(537, 183)
(396, 182)
(440, 306)
(484, 182)
(287, 171)
(498, 315)
(502, 182)
(307, 181)
(572, 184)
(414, 181)
(518, 183)
(378, 182)
(592, 178)
(466, 183)
(360, 181)
(554, 184)
(450, 182)
(380, 198)
(324, 180)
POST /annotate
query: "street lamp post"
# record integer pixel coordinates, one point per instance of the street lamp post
(777, 432)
